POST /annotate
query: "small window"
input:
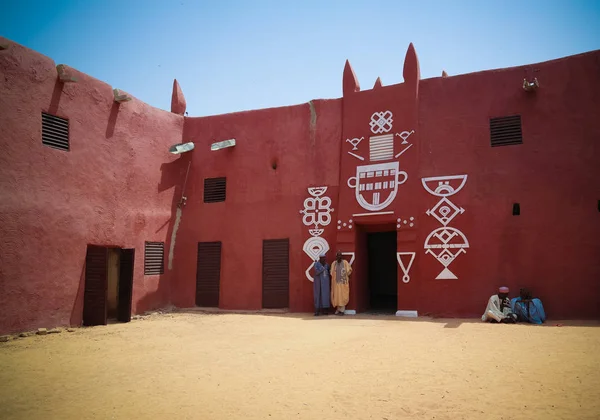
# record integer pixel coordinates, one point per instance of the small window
(154, 258)
(55, 132)
(506, 131)
(215, 189)
(516, 209)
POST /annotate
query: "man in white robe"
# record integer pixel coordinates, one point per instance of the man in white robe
(498, 308)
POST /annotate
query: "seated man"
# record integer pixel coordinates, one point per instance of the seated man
(498, 308)
(528, 309)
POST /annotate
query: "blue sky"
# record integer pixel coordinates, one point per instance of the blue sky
(236, 55)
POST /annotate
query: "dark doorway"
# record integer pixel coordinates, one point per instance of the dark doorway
(276, 273)
(108, 285)
(125, 285)
(208, 274)
(382, 271)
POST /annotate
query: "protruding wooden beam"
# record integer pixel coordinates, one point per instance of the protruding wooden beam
(444, 74)
(121, 96)
(65, 74)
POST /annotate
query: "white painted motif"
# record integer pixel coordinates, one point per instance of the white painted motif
(317, 212)
(313, 247)
(381, 147)
(444, 211)
(405, 135)
(445, 243)
(317, 209)
(356, 156)
(410, 222)
(403, 150)
(405, 266)
(355, 142)
(446, 185)
(342, 225)
(381, 122)
(367, 196)
(379, 213)
(351, 254)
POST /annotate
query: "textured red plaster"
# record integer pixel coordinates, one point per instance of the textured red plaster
(104, 191)
(262, 202)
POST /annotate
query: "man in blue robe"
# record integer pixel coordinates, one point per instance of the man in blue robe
(321, 285)
(528, 309)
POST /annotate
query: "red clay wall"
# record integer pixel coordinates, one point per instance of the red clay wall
(553, 247)
(119, 186)
(262, 202)
(107, 190)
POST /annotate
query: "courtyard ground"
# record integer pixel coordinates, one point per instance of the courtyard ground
(232, 366)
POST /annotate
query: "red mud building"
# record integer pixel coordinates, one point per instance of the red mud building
(437, 190)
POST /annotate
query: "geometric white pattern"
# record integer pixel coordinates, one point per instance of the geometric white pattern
(445, 243)
(445, 211)
(381, 122)
(446, 185)
(405, 267)
(317, 212)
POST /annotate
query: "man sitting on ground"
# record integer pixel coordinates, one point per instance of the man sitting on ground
(528, 309)
(498, 308)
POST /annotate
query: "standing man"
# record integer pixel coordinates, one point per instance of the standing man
(340, 289)
(321, 285)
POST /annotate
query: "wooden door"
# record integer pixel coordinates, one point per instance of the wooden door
(208, 274)
(125, 284)
(276, 273)
(96, 286)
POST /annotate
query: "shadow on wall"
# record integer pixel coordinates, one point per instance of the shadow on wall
(77, 311)
(173, 175)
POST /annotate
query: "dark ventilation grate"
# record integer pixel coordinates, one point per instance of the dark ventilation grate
(516, 209)
(505, 131)
(208, 274)
(154, 258)
(276, 273)
(215, 189)
(55, 132)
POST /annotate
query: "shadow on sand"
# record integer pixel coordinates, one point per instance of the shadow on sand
(448, 322)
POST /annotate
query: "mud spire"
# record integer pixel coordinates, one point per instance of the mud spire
(178, 103)
(350, 82)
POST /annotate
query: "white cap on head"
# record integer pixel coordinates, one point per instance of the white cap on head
(322, 255)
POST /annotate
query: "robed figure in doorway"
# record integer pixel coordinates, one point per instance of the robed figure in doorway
(321, 285)
(340, 287)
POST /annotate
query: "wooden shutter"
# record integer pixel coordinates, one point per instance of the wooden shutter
(215, 189)
(154, 258)
(55, 132)
(505, 131)
(276, 273)
(125, 284)
(96, 286)
(208, 274)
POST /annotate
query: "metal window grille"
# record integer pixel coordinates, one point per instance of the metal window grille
(154, 258)
(215, 189)
(55, 132)
(506, 131)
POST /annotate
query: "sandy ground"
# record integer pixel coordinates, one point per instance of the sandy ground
(228, 366)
